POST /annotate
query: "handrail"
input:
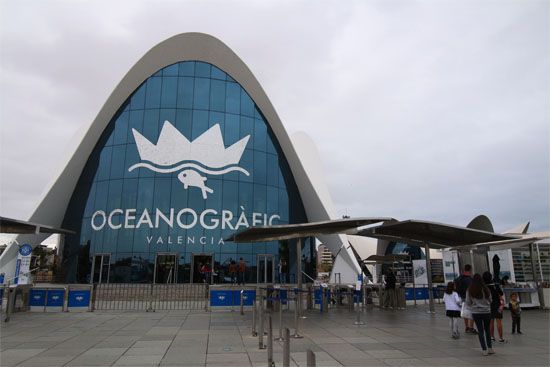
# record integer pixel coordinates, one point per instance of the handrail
(313, 280)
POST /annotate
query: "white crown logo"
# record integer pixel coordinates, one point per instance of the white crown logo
(174, 152)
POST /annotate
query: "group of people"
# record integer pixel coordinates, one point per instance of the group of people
(237, 272)
(479, 299)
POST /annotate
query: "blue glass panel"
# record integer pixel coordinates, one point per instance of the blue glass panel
(201, 97)
(272, 170)
(178, 195)
(247, 162)
(137, 101)
(259, 198)
(152, 97)
(214, 200)
(232, 127)
(102, 193)
(217, 118)
(104, 164)
(115, 195)
(247, 106)
(202, 69)
(187, 68)
(231, 196)
(185, 92)
(162, 194)
(167, 114)
(171, 70)
(217, 73)
(184, 122)
(135, 122)
(146, 188)
(132, 157)
(260, 162)
(118, 162)
(247, 128)
(129, 193)
(260, 135)
(272, 200)
(233, 98)
(246, 198)
(200, 124)
(169, 92)
(217, 95)
(283, 205)
(121, 128)
(90, 203)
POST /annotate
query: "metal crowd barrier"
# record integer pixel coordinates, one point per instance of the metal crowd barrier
(150, 297)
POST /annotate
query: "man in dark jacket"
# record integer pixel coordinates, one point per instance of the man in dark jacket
(391, 296)
(461, 284)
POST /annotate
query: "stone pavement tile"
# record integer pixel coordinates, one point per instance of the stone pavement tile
(427, 353)
(388, 353)
(228, 359)
(360, 340)
(40, 361)
(151, 343)
(148, 351)
(59, 351)
(11, 357)
(163, 330)
(403, 362)
(191, 358)
(97, 356)
(499, 360)
(407, 345)
(138, 360)
(8, 345)
(446, 361)
(226, 349)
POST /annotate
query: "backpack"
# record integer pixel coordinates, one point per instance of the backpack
(461, 284)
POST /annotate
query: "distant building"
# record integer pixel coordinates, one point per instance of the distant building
(324, 258)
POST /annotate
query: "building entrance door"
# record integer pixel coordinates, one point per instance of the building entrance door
(202, 268)
(166, 267)
(101, 267)
(265, 269)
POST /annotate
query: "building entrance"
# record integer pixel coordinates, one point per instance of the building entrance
(202, 268)
(166, 267)
(265, 269)
(101, 267)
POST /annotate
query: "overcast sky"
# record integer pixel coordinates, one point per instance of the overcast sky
(435, 110)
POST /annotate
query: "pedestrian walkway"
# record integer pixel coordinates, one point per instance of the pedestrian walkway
(223, 338)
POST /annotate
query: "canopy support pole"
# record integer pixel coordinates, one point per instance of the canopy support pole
(429, 276)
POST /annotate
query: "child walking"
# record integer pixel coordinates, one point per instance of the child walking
(452, 306)
(515, 311)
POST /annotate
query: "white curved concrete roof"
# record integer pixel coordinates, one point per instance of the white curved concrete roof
(183, 47)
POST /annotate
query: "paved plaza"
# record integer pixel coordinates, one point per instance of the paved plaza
(223, 338)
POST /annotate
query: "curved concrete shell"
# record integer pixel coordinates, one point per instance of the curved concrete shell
(184, 47)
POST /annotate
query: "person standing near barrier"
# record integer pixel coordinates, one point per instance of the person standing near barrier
(478, 299)
(282, 271)
(497, 306)
(242, 271)
(515, 311)
(452, 307)
(390, 300)
(461, 285)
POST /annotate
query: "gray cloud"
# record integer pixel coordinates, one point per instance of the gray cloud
(432, 110)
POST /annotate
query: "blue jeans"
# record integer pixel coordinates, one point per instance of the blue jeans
(483, 320)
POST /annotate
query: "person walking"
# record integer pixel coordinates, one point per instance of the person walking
(478, 299)
(242, 271)
(497, 306)
(282, 271)
(452, 308)
(515, 311)
(461, 285)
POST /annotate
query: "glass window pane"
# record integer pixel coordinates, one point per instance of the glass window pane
(232, 98)
(118, 160)
(169, 92)
(247, 106)
(187, 68)
(201, 97)
(121, 128)
(137, 101)
(185, 92)
(260, 135)
(152, 97)
(217, 73)
(202, 69)
(217, 95)
(171, 70)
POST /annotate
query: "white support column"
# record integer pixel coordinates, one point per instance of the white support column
(429, 271)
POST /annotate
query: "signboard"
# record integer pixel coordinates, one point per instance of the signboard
(451, 268)
(23, 264)
(420, 273)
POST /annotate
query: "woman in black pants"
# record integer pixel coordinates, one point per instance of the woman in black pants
(478, 299)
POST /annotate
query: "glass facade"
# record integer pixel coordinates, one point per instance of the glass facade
(139, 196)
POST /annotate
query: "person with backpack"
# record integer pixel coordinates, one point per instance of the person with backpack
(462, 283)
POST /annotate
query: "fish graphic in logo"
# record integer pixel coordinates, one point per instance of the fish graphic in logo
(206, 154)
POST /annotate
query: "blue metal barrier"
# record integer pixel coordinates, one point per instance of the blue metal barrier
(78, 299)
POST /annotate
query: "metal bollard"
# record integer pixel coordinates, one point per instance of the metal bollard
(310, 358)
(254, 311)
(270, 362)
(358, 320)
(286, 349)
(261, 332)
(242, 302)
(296, 317)
(280, 338)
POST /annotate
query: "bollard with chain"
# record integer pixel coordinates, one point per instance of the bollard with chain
(296, 316)
(280, 338)
(270, 362)
(286, 349)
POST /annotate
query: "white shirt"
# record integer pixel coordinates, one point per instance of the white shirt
(452, 301)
